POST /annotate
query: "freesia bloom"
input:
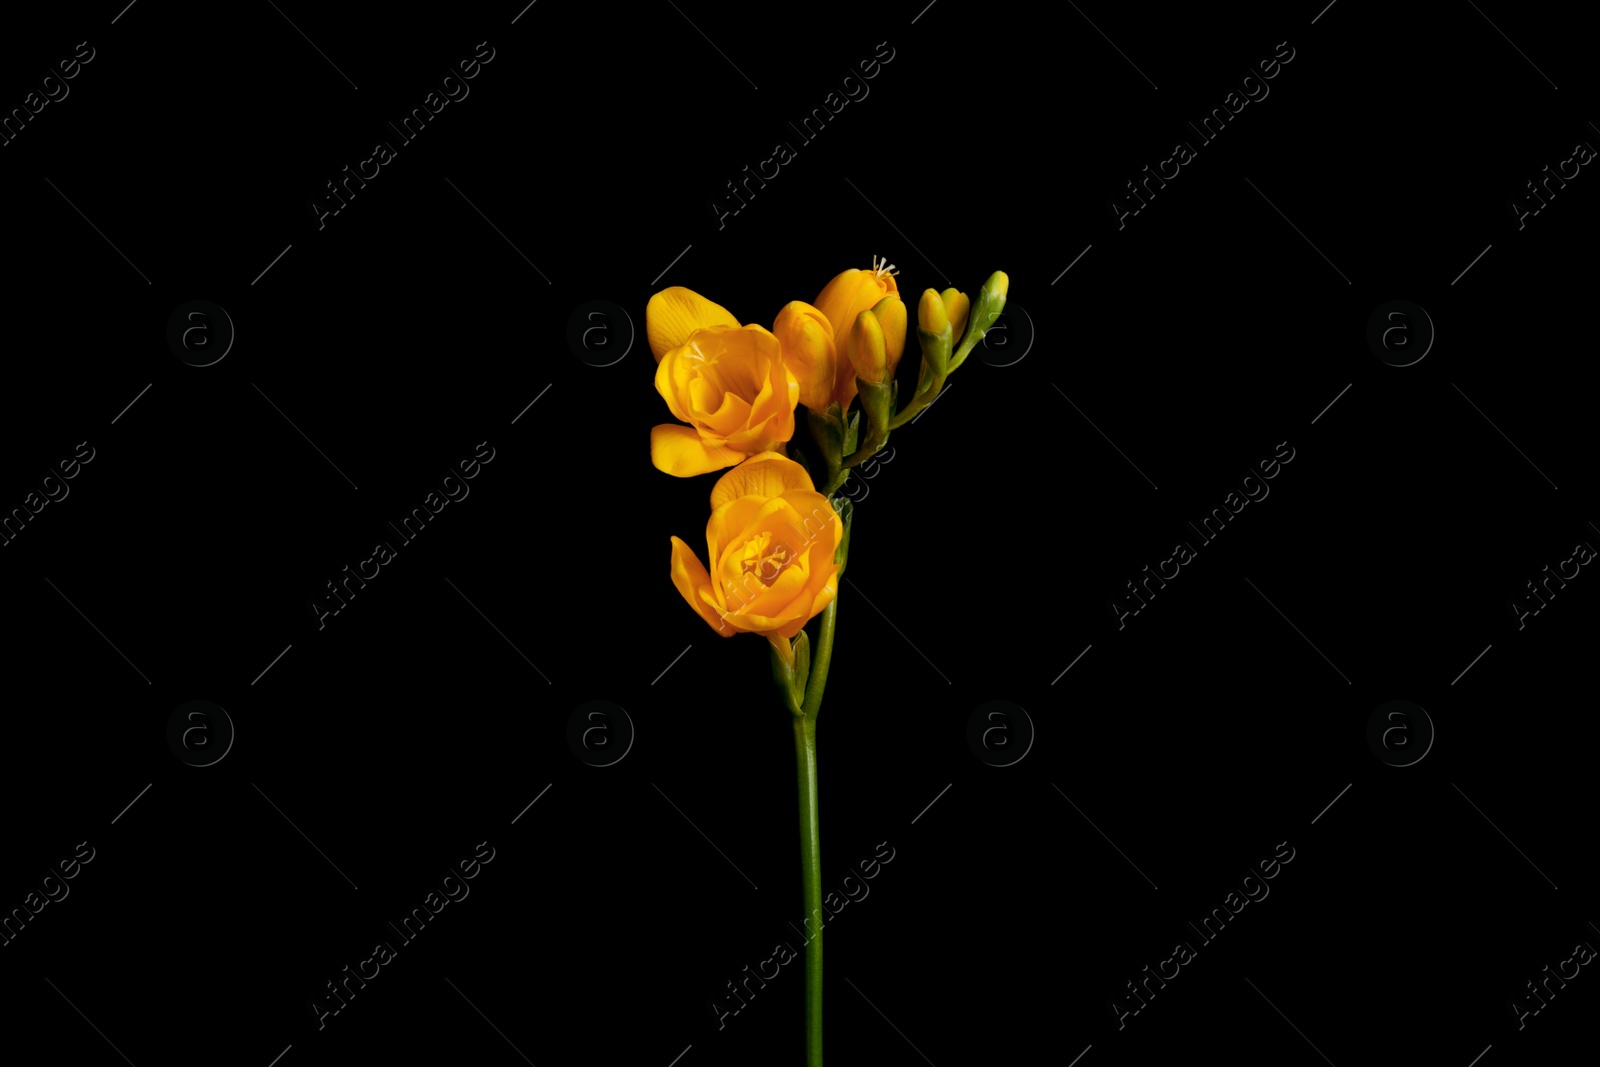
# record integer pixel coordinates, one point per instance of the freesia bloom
(728, 382)
(771, 541)
(844, 298)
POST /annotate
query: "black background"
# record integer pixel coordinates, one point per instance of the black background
(423, 718)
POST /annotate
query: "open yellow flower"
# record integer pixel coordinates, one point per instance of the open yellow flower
(728, 382)
(771, 541)
(849, 294)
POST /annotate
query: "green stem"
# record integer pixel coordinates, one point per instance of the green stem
(805, 740)
(918, 402)
(961, 353)
(821, 657)
(876, 437)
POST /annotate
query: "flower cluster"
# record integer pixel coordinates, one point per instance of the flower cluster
(776, 542)
(737, 386)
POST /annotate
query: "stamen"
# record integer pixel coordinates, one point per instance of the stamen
(694, 352)
(765, 560)
(880, 267)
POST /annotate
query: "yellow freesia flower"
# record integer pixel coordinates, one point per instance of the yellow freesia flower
(849, 294)
(728, 382)
(771, 541)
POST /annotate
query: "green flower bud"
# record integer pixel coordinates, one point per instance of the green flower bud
(991, 302)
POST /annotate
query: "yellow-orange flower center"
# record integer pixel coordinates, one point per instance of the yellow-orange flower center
(760, 557)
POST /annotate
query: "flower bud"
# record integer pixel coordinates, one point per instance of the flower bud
(891, 314)
(956, 306)
(868, 354)
(991, 301)
(806, 337)
(931, 314)
(934, 333)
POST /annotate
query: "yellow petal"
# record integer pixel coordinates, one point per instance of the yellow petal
(808, 343)
(819, 523)
(673, 314)
(771, 432)
(721, 413)
(766, 475)
(727, 523)
(824, 596)
(690, 576)
(779, 394)
(849, 294)
(784, 626)
(674, 372)
(767, 435)
(681, 452)
(784, 596)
